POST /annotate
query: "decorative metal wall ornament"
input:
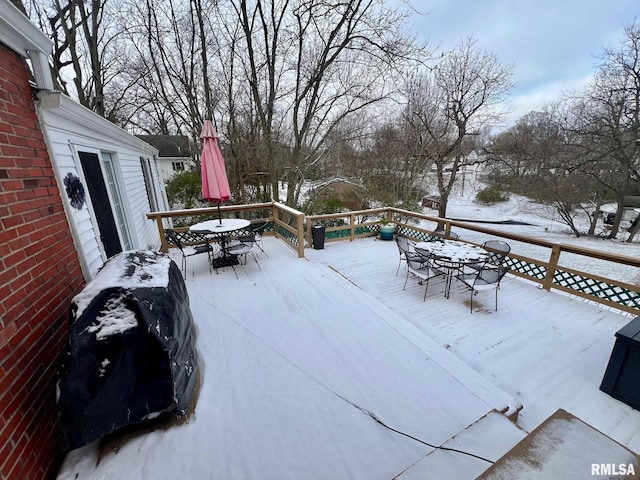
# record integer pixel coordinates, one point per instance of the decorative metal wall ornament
(75, 190)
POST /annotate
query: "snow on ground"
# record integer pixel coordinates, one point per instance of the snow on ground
(543, 224)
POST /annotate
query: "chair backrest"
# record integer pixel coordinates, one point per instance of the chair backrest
(490, 275)
(173, 237)
(439, 235)
(249, 239)
(497, 249)
(404, 244)
(424, 254)
(258, 228)
(416, 260)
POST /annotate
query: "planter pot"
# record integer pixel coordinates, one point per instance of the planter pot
(387, 231)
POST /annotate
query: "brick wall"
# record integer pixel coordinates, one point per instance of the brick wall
(39, 274)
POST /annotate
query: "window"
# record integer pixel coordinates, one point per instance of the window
(177, 166)
(148, 183)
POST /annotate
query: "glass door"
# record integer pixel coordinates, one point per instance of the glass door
(116, 200)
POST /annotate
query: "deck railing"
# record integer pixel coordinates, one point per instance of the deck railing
(552, 270)
(286, 223)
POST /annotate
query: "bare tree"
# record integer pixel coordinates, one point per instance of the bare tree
(88, 53)
(462, 95)
(537, 158)
(173, 47)
(300, 71)
(606, 121)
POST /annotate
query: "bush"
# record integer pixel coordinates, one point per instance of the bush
(492, 194)
(184, 190)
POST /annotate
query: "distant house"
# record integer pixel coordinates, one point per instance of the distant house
(74, 190)
(175, 153)
(349, 191)
(431, 202)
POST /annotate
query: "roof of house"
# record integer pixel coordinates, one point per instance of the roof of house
(320, 184)
(170, 145)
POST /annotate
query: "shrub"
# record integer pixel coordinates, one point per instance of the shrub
(492, 194)
(184, 189)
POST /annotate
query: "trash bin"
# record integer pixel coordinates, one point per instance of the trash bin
(317, 232)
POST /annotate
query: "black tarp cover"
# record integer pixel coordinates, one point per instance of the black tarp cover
(131, 352)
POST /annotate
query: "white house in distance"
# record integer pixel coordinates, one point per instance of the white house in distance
(175, 153)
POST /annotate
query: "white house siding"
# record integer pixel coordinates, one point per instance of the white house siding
(70, 128)
(166, 166)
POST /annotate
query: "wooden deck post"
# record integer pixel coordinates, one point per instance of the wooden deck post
(300, 228)
(352, 222)
(164, 246)
(551, 268)
(276, 216)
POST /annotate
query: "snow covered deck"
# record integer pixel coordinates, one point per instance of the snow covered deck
(548, 350)
(326, 368)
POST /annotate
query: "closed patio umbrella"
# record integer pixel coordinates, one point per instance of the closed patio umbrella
(215, 185)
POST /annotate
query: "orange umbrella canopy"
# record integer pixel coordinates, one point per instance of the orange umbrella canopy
(215, 185)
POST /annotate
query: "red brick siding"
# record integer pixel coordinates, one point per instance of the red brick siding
(39, 274)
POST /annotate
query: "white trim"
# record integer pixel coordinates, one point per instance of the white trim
(122, 200)
(74, 112)
(19, 34)
(75, 151)
(24, 38)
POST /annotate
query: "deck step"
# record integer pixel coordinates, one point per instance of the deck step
(563, 446)
(490, 437)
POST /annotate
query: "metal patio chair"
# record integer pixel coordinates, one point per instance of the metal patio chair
(242, 247)
(421, 265)
(497, 249)
(258, 229)
(446, 236)
(405, 245)
(486, 278)
(191, 250)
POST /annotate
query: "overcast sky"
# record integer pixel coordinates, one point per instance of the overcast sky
(553, 44)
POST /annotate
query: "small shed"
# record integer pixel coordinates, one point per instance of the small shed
(431, 202)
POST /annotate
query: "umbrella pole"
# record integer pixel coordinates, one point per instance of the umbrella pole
(219, 214)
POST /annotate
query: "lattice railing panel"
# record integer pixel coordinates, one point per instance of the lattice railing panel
(526, 268)
(188, 237)
(284, 233)
(364, 230)
(597, 288)
(346, 231)
(417, 235)
(337, 233)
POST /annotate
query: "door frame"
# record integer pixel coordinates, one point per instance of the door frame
(77, 149)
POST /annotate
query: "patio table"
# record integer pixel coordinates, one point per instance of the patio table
(221, 229)
(452, 255)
